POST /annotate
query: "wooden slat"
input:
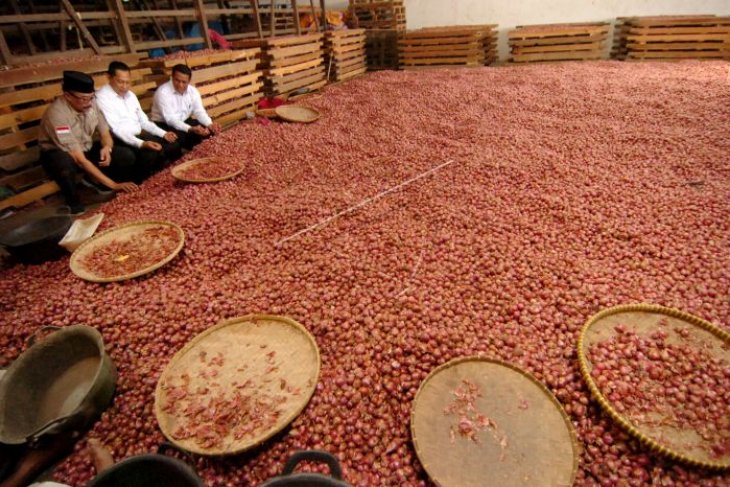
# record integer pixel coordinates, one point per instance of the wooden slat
(214, 101)
(680, 46)
(295, 68)
(19, 117)
(679, 38)
(561, 48)
(557, 56)
(558, 40)
(227, 84)
(16, 160)
(249, 104)
(285, 52)
(11, 140)
(295, 76)
(28, 197)
(291, 61)
(23, 179)
(233, 105)
(223, 70)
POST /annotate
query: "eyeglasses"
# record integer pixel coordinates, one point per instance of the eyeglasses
(82, 97)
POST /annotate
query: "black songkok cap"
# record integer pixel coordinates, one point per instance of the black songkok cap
(78, 82)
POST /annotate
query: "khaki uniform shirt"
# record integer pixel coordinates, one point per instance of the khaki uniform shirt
(64, 128)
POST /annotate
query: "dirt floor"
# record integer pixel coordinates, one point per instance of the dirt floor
(573, 187)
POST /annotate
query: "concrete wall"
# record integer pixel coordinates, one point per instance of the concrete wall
(510, 13)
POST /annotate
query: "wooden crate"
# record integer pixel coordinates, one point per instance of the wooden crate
(454, 46)
(558, 42)
(678, 37)
(383, 14)
(381, 48)
(229, 81)
(290, 63)
(345, 53)
(24, 96)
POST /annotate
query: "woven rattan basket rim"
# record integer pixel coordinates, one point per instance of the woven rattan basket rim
(78, 253)
(476, 358)
(606, 405)
(306, 395)
(285, 113)
(175, 171)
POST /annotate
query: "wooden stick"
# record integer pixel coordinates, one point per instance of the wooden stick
(80, 25)
(122, 19)
(314, 15)
(362, 203)
(272, 13)
(203, 23)
(295, 8)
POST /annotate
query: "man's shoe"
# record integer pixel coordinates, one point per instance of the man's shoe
(95, 187)
(91, 197)
(76, 210)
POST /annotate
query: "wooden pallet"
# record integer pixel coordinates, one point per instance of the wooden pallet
(677, 37)
(558, 42)
(345, 53)
(381, 48)
(290, 63)
(387, 14)
(448, 46)
(22, 106)
(229, 82)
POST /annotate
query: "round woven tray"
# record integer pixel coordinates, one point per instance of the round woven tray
(297, 113)
(643, 319)
(532, 441)
(262, 356)
(123, 232)
(179, 170)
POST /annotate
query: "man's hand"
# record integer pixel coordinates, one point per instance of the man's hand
(170, 136)
(214, 127)
(199, 130)
(106, 156)
(148, 144)
(125, 187)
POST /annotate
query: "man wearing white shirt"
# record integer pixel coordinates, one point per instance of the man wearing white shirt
(151, 145)
(174, 104)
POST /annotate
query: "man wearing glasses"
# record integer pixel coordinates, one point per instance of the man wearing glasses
(130, 127)
(68, 149)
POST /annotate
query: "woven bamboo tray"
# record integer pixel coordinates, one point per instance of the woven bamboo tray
(121, 233)
(250, 348)
(179, 170)
(539, 447)
(297, 113)
(643, 319)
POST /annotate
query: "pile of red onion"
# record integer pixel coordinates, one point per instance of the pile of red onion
(575, 187)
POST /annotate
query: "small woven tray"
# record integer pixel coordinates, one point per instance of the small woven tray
(178, 172)
(123, 232)
(297, 113)
(540, 446)
(249, 347)
(643, 319)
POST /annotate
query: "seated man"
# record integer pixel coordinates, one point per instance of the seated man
(152, 148)
(67, 147)
(174, 103)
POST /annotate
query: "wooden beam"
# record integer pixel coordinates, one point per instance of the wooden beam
(158, 26)
(7, 57)
(324, 15)
(178, 22)
(23, 28)
(62, 35)
(314, 14)
(257, 16)
(272, 20)
(200, 9)
(143, 46)
(122, 20)
(295, 7)
(153, 14)
(80, 25)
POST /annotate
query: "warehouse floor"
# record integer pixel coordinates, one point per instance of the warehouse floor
(571, 187)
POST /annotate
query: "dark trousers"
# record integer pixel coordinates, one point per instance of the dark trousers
(187, 140)
(61, 167)
(151, 159)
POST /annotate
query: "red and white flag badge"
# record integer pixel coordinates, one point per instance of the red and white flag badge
(63, 130)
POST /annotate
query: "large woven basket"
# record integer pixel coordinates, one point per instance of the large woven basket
(643, 317)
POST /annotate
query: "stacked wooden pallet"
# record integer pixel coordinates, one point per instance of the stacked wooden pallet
(24, 96)
(473, 45)
(558, 42)
(379, 14)
(229, 81)
(677, 37)
(290, 63)
(381, 48)
(345, 53)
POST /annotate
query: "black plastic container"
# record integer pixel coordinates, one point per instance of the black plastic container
(148, 471)
(290, 479)
(36, 241)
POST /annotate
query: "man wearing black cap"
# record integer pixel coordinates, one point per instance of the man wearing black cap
(66, 143)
